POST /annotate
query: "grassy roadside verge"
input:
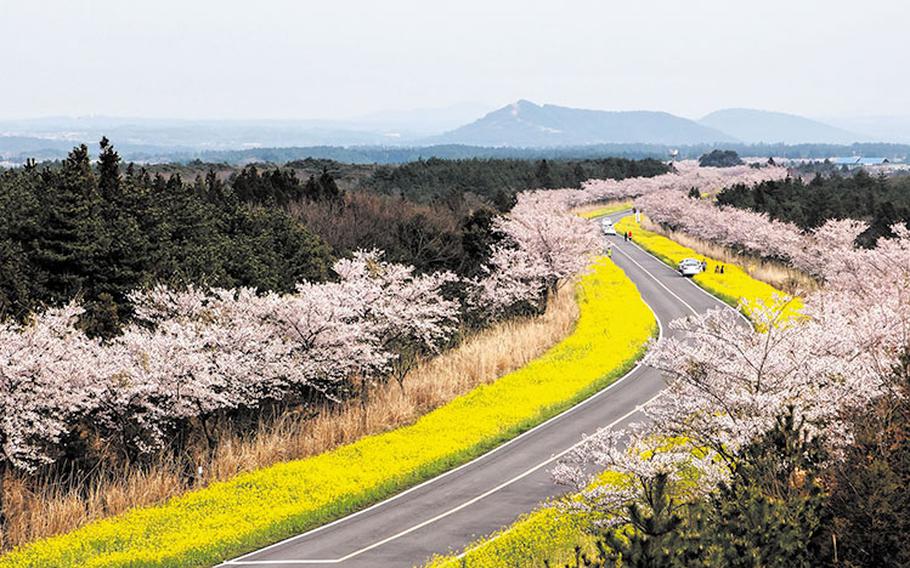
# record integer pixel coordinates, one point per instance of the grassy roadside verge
(546, 533)
(225, 519)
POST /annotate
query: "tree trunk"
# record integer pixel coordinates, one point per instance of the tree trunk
(364, 402)
(2, 503)
(209, 440)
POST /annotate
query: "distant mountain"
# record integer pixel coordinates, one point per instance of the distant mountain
(525, 124)
(759, 126)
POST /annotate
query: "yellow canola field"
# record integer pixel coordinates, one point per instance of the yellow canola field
(548, 534)
(732, 286)
(225, 519)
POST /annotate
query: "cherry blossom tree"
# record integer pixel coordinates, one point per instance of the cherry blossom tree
(742, 230)
(410, 315)
(545, 246)
(728, 383)
(686, 175)
(49, 375)
(198, 353)
(204, 355)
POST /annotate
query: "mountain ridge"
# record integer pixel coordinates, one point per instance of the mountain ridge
(756, 126)
(525, 123)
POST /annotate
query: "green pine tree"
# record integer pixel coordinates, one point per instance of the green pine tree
(67, 250)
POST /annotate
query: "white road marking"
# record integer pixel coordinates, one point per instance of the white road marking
(697, 287)
(240, 559)
(453, 510)
(661, 284)
(241, 562)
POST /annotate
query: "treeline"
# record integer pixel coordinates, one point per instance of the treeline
(99, 231)
(496, 181)
(493, 181)
(404, 154)
(454, 233)
(880, 201)
(434, 214)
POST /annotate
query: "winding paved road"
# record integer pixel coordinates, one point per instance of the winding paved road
(450, 511)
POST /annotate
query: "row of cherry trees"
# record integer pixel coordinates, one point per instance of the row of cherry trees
(730, 384)
(686, 175)
(196, 356)
(546, 246)
(751, 232)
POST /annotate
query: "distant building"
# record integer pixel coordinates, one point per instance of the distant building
(853, 162)
(872, 165)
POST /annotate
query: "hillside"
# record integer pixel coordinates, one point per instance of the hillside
(759, 126)
(525, 123)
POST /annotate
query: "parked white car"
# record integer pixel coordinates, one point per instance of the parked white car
(690, 267)
(607, 227)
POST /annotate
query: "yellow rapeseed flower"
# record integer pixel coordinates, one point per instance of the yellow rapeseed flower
(732, 286)
(225, 519)
(548, 533)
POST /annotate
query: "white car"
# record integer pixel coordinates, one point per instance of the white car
(690, 267)
(607, 227)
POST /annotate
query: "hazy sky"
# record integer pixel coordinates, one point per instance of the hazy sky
(340, 58)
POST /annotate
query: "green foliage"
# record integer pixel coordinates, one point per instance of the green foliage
(273, 186)
(653, 536)
(870, 500)
(880, 201)
(90, 232)
(496, 181)
(322, 188)
(771, 513)
(720, 159)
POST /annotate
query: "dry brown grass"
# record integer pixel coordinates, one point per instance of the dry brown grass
(776, 274)
(55, 507)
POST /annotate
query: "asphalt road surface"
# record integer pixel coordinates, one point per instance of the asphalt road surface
(448, 512)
